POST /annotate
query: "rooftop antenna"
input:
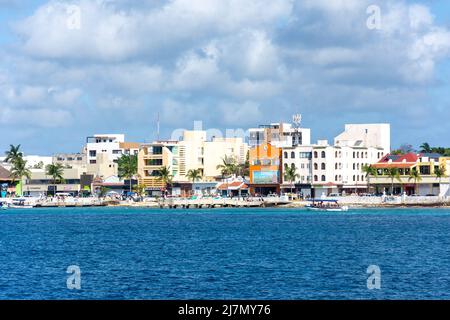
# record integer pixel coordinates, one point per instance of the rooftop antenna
(157, 128)
(297, 121)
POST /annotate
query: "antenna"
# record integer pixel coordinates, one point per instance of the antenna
(297, 120)
(157, 128)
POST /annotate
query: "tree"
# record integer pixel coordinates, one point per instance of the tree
(415, 175)
(39, 165)
(56, 171)
(291, 175)
(425, 148)
(393, 173)
(165, 175)
(370, 171)
(127, 167)
(440, 173)
(228, 166)
(194, 175)
(13, 154)
(19, 170)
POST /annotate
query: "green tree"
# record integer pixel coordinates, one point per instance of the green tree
(440, 173)
(13, 154)
(56, 171)
(393, 174)
(127, 167)
(19, 170)
(228, 166)
(291, 175)
(165, 175)
(415, 175)
(194, 175)
(425, 148)
(370, 172)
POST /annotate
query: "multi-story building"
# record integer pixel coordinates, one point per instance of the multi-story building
(426, 165)
(323, 168)
(265, 169)
(192, 152)
(71, 160)
(280, 135)
(103, 151)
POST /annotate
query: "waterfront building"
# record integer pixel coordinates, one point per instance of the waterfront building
(103, 151)
(323, 168)
(6, 186)
(265, 169)
(425, 164)
(41, 184)
(70, 160)
(192, 152)
(280, 135)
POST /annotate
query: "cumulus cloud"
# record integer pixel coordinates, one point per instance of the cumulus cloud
(225, 62)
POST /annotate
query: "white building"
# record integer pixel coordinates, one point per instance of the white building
(103, 150)
(280, 135)
(338, 168)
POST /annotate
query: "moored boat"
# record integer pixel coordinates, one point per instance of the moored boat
(327, 205)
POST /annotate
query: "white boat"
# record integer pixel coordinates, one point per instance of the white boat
(326, 205)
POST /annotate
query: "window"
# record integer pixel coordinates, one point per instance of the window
(316, 154)
(316, 166)
(323, 154)
(92, 153)
(324, 178)
(285, 155)
(93, 161)
(323, 166)
(285, 166)
(336, 166)
(293, 166)
(292, 155)
(316, 178)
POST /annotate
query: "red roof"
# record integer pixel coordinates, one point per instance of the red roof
(232, 186)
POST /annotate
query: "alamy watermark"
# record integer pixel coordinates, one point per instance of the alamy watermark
(373, 21)
(374, 279)
(74, 278)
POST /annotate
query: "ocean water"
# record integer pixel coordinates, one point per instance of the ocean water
(128, 253)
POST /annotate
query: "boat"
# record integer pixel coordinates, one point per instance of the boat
(19, 203)
(3, 206)
(327, 205)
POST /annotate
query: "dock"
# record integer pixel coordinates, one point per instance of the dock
(174, 203)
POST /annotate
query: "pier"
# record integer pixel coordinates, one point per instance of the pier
(174, 203)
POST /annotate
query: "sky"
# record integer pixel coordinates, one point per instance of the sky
(71, 69)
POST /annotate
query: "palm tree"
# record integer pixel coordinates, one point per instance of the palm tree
(228, 166)
(194, 175)
(415, 175)
(425, 148)
(291, 175)
(19, 170)
(13, 154)
(56, 171)
(393, 173)
(370, 171)
(165, 175)
(127, 167)
(440, 173)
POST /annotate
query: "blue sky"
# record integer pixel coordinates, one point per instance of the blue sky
(111, 66)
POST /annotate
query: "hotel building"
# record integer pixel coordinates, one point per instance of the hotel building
(425, 164)
(192, 152)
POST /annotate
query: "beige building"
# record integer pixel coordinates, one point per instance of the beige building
(192, 152)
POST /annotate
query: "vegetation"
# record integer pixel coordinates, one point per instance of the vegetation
(440, 173)
(56, 171)
(194, 175)
(426, 148)
(165, 175)
(291, 175)
(127, 167)
(230, 166)
(393, 174)
(415, 175)
(370, 171)
(19, 168)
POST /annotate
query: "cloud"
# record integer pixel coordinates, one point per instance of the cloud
(225, 62)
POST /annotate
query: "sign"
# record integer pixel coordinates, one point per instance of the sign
(265, 177)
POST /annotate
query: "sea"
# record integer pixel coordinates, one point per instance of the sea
(264, 253)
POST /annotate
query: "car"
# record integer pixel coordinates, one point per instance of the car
(334, 195)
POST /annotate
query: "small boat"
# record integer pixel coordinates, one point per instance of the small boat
(327, 205)
(3, 206)
(19, 203)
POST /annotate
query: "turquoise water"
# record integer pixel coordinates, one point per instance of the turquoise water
(224, 253)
